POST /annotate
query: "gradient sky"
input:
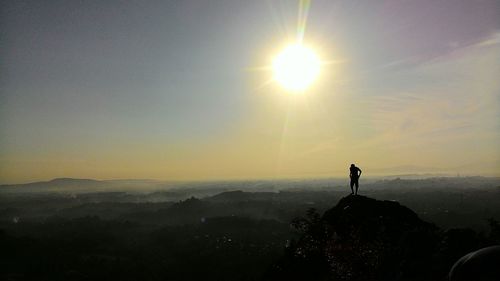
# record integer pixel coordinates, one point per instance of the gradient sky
(173, 90)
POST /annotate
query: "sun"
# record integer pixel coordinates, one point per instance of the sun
(296, 67)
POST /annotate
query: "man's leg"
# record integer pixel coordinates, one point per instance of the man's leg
(357, 186)
(352, 184)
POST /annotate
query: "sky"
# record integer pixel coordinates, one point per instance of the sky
(181, 90)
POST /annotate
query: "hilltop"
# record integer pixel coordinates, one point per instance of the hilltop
(361, 238)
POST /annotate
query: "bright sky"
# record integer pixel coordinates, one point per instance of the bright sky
(175, 89)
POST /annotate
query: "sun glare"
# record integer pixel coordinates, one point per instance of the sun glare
(296, 67)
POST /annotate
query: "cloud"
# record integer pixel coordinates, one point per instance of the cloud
(445, 110)
(492, 40)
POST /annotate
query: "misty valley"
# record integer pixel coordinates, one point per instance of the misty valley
(70, 229)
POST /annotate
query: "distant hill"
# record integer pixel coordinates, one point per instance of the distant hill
(238, 196)
(72, 181)
(55, 185)
(83, 185)
(56, 182)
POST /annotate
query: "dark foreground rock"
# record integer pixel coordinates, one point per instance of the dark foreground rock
(480, 265)
(361, 239)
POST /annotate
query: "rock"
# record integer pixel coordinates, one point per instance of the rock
(480, 265)
(361, 239)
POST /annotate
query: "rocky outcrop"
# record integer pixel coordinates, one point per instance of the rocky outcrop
(360, 239)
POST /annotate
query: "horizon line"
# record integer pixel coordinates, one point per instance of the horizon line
(284, 178)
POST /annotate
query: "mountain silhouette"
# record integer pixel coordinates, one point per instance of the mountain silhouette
(73, 181)
(84, 185)
(241, 196)
(57, 183)
(360, 239)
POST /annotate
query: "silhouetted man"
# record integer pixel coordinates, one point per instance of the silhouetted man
(354, 174)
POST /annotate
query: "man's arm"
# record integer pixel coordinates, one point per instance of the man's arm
(360, 172)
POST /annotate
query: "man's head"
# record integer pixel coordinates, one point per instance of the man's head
(352, 165)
